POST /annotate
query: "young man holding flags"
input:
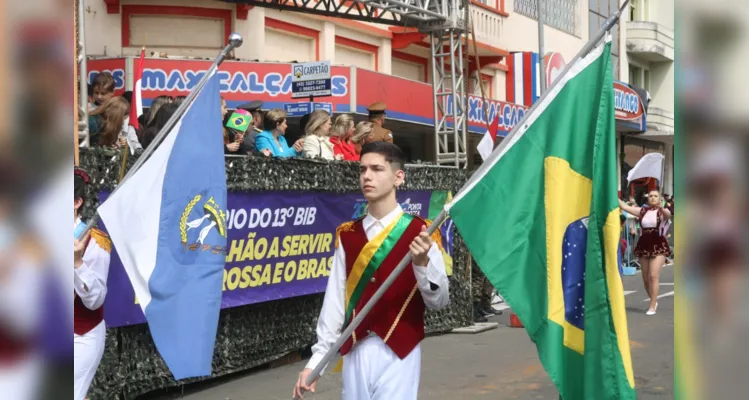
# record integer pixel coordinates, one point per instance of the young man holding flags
(382, 358)
(91, 263)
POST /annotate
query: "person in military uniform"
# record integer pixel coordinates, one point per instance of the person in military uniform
(377, 118)
(248, 146)
(482, 291)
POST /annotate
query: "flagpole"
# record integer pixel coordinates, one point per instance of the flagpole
(592, 43)
(613, 19)
(235, 40)
(541, 63)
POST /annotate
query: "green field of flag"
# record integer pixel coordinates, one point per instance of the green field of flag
(541, 218)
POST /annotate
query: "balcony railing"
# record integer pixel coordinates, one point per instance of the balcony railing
(488, 20)
(650, 41)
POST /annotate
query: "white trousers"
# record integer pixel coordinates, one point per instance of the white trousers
(20, 381)
(88, 351)
(371, 371)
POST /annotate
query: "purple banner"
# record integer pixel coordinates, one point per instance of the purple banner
(280, 245)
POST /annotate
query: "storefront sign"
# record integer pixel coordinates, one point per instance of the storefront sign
(280, 245)
(240, 81)
(629, 109)
(310, 79)
(508, 114)
(302, 109)
(554, 66)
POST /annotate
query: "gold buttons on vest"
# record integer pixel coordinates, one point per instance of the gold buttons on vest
(373, 280)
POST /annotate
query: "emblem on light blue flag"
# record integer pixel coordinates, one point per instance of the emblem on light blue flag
(202, 225)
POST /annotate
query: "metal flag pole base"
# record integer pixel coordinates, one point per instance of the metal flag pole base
(370, 304)
(235, 40)
(610, 22)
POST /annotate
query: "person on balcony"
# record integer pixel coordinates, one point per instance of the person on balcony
(317, 140)
(377, 118)
(340, 137)
(271, 141)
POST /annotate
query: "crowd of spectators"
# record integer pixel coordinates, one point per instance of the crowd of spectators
(322, 136)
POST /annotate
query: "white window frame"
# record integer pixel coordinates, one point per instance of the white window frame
(642, 67)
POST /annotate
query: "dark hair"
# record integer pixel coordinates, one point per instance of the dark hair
(104, 81)
(179, 99)
(303, 122)
(159, 121)
(392, 153)
(79, 190)
(128, 95)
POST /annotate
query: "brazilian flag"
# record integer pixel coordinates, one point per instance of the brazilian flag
(239, 120)
(549, 241)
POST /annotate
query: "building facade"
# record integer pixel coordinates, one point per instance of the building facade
(647, 61)
(375, 61)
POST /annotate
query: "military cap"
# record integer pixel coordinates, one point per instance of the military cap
(377, 108)
(251, 106)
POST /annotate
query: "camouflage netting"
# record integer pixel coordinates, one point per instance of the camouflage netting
(252, 335)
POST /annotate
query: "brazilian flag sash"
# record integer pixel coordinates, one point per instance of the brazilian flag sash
(369, 260)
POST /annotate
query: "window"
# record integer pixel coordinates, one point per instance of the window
(639, 77)
(635, 75)
(639, 10)
(598, 12)
(559, 14)
(633, 10)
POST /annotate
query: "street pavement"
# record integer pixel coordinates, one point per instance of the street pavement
(496, 364)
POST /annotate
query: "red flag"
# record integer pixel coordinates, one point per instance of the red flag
(136, 102)
(489, 141)
(494, 127)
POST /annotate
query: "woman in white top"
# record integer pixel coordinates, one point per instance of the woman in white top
(317, 142)
(652, 248)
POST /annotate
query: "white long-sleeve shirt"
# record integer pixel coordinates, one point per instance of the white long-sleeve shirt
(330, 322)
(90, 279)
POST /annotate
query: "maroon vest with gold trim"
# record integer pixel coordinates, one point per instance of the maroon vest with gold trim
(84, 319)
(398, 318)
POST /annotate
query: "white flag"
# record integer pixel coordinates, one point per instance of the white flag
(649, 166)
(486, 146)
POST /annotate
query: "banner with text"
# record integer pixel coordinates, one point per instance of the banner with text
(280, 245)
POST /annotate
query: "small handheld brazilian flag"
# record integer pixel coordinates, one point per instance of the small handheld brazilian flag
(239, 120)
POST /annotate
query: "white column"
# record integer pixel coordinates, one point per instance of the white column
(327, 42)
(253, 32)
(384, 54)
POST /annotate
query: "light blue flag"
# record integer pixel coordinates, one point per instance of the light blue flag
(168, 223)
